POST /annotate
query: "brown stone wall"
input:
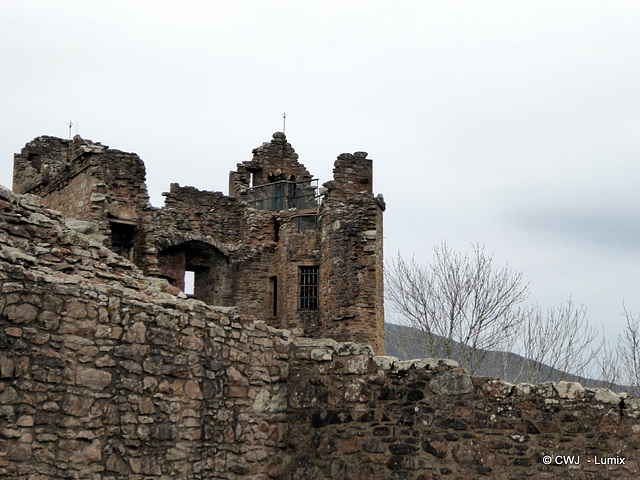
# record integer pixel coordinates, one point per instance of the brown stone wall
(123, 183)
(298, 246)
(79, 197)
(213, 214)
(278, 153)
(42, 161)
(352, 259)
(239, 243)
(352, 415)
(90, 182)
(107, 374)
(238, 247)
(72, 187)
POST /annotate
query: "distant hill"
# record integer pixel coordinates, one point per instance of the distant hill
(406, 343)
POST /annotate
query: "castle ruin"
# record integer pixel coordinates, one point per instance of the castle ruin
(110, 372)
(275, 247)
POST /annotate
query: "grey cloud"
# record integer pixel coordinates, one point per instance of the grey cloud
(613, 229)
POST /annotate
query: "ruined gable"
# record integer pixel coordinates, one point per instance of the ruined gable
(89, 181)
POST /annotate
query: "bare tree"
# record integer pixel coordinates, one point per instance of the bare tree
(463, 305)
(620, 364)
(557, 343)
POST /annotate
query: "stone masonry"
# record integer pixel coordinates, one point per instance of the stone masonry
(275, 248)
(107, 373)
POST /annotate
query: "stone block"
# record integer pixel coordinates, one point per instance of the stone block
(19, 452)
(451, 383)
(384, 362)
(604, 395)
(570, 390)
(21, 313)
(93, 378)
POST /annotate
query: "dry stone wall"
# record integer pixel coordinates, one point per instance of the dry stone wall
(108, 374)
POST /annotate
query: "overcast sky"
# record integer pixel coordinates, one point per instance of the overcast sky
(512, 124)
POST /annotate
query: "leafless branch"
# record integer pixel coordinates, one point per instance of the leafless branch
(558, 341)
(462, 300)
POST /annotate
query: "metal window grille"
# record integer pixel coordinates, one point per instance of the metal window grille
(309, 288)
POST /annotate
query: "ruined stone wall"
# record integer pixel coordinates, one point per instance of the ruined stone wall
(343, 237)
(238, 246)
(107, 374)
(42, 161)
(88, 181)
(207, 213)
(242, 241)
(352, 415)
(298, 245)
(352, 258)
(123, 184)
(70, 187)
(80, 197)
(256, 180)
(278, 153)
(48, 166)
(254, 248)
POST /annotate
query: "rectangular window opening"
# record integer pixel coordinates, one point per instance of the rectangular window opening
(189, 282)
(309, 288)
(123, 234)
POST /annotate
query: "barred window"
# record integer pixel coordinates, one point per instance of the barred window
(309, 288)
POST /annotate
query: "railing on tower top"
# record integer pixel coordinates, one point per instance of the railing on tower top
(283, 195)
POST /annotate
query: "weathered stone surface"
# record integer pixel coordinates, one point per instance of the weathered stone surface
(605, 395)
(570, 390)
(192, 389)
(93, 378)
(88, 228)
(21, 313)
(451, 383)
(19, 452)
(385, 362)
(104, 373)
(468, 452)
